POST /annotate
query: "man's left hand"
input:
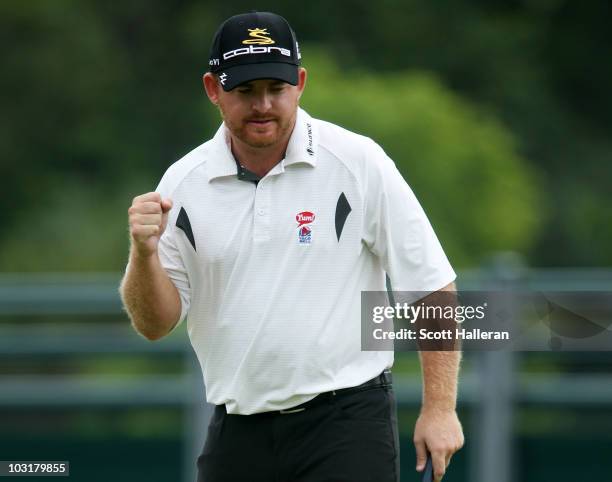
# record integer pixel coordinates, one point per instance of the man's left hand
(440, 434)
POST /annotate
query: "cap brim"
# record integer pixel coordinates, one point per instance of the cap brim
(232, 77)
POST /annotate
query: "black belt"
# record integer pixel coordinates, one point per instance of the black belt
(384, 380)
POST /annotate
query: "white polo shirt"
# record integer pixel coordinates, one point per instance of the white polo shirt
(270, 275)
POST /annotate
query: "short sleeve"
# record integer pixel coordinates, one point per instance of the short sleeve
(172, 262)
(170, 255)
(397, 230)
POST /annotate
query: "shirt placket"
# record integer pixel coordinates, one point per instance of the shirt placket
(261, 212)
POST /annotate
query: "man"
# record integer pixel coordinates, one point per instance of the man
(266, 236)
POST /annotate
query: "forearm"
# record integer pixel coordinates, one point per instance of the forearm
(440, 372)
(149, 296)
(440, 369)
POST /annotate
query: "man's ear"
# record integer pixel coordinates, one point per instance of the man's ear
(302, 75)
(211, 86)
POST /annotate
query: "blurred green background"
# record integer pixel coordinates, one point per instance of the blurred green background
(497, 113)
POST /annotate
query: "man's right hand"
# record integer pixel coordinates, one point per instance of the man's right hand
(148, 216)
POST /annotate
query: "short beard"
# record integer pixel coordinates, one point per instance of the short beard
(239, 133)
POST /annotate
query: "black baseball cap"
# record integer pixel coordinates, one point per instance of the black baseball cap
(256, 45)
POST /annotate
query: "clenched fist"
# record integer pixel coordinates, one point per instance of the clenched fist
(148, 216)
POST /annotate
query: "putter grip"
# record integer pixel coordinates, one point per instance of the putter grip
(428, 472)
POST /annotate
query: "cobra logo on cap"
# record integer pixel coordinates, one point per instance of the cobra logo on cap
(258, 37)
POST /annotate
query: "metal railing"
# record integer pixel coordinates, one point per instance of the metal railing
(491, 387)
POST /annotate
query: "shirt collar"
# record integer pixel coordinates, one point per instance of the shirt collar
(221, 162)
(303, 144)
(302, 148)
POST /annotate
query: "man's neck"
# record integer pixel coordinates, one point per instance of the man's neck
(260, 160)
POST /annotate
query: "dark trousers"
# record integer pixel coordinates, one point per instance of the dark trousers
(350, 436)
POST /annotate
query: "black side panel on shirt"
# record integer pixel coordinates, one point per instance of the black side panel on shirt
(343, 208)
(182, 222)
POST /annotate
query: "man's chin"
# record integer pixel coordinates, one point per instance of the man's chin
(260, 141)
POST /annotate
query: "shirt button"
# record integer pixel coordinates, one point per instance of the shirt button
(261, 212)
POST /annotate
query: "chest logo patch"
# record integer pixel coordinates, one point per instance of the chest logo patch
(304, 224)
